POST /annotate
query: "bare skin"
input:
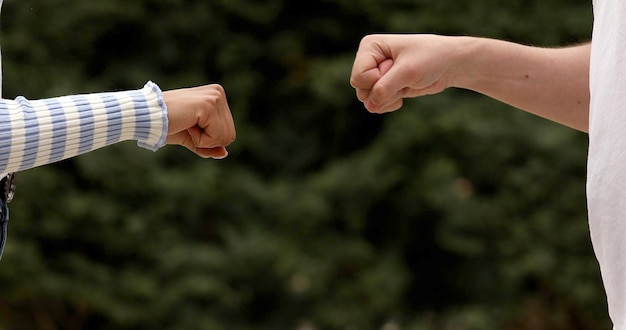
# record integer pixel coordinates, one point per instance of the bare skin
(200, 120)
(549, 82)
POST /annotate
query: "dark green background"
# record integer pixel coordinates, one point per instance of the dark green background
(456, 212)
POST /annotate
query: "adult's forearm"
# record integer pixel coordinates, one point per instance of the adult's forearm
(549, 82)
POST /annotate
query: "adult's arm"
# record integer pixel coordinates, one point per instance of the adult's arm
(550, 82)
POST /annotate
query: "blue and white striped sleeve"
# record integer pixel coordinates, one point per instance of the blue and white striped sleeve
(39, 132)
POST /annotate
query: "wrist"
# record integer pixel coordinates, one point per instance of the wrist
(465, 69)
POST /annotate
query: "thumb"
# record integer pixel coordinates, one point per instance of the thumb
(389, 84)
(384, 66)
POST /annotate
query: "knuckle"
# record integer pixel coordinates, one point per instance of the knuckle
(209, 104)
(362, 94)
(367, 39)
(353, 82)
(218, 88)
(214, 96)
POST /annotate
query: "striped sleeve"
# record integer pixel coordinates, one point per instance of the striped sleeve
(39, 132)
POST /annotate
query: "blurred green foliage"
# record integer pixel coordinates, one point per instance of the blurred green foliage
(456, 212)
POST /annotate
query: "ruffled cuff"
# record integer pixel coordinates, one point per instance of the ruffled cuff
(151, 126)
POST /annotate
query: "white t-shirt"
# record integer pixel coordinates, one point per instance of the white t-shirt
(606, 173)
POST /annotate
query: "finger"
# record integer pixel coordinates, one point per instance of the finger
(365, 70)
(216, 128)
(226, 119)
(196, 133)
(211, 136)
(215, 153)
(395, 105)
(185, 139)
(370, 73)
(365, 79)
(385, 66)
(363, 94)
(395, 79)
(391, 105)
(209, 132)
(362, 75)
